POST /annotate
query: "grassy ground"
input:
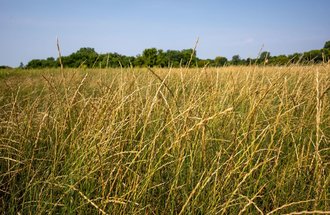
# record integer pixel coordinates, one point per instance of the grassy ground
(234, 140)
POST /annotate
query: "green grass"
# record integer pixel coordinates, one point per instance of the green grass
(233, 140)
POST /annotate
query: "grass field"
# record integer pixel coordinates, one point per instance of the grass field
(230, 140)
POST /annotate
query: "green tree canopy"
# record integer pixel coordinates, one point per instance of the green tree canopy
(84, 56)
(150, 57)
(264, 56)
(161, 58)
(174, 58)
(220, 61)
(236, 60)
(327, 45)
(186, 55)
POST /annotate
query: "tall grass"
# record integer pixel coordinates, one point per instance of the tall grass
(233, 140)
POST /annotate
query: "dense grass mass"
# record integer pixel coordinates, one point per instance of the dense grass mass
(231, 140)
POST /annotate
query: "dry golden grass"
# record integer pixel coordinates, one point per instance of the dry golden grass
(232, 140)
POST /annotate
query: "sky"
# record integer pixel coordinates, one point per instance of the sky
(28, 29)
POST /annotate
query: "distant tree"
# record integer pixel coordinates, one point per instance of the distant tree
(313, 56)
(117, 60)
(103, 60)
(203, 63)
(84, 56)
(50, 63)
(88, 57)
(35, 64)
(249, 61)
(150, 57)
(21, 65)
(264, 57)
(188, 56)
(161, 58)
(327, 45)
(279, 60)
(326, 54)
(130, 60)
(173, 58)
(5, 67)
(295, 58)
(138, 62)
(220, 61)
(236, 60)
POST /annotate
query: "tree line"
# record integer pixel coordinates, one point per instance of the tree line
(152, 57)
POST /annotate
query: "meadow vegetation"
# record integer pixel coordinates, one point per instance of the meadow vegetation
(229, 140)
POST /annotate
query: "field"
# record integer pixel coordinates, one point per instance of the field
(230, 140)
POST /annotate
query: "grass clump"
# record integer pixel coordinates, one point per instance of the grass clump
(232, 140)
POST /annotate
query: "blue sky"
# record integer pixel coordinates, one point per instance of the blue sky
(224, 27)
